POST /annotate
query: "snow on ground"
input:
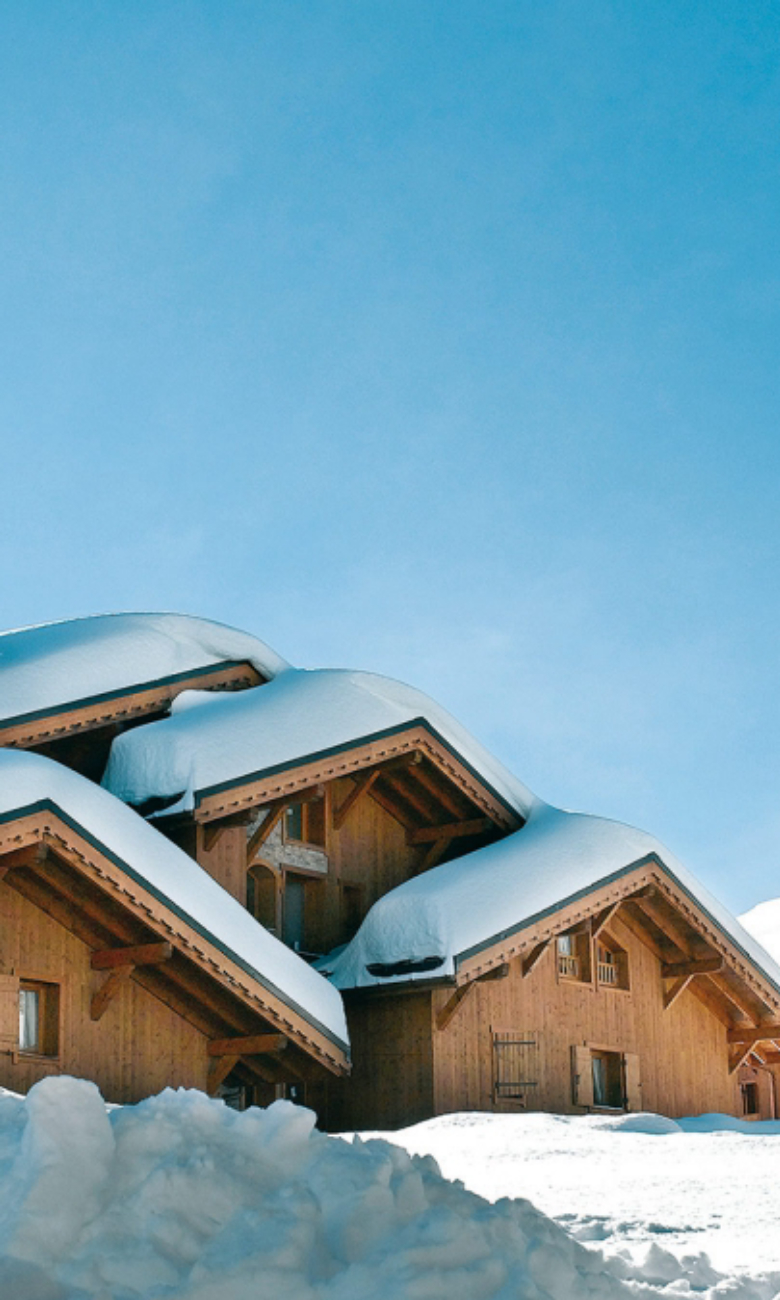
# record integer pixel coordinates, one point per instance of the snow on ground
(630, 1183)
(55, 664)
(180, 1198)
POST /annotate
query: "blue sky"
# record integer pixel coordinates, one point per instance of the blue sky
(438, 339)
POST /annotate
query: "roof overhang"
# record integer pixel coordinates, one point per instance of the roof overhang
(284, 780)
(121, 706)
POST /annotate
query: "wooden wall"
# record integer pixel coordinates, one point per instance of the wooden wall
(683, 1059)
(138, 1047)
(392, 1071)
(369, 853)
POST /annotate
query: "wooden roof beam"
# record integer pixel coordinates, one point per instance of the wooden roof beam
(757, 1034)
(534, 956)
(707, 966)
(418, 798)
(637, 922)
(667, 924)
(249, 1045)
(451, 830)
(145, 954)
(456, 803)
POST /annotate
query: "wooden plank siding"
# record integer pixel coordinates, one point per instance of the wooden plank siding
(138, 1047)
(405, 1063)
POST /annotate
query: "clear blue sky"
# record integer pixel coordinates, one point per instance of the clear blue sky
(435, 338)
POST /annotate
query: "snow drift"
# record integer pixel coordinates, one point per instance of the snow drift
(182, 1198)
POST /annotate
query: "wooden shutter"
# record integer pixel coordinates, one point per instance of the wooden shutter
(9, 1012)
(633, 1081)
(581, 1076)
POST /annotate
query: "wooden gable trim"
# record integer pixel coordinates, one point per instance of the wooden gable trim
(51, 826)
(349, 759)
(122, 705)
(629, 888)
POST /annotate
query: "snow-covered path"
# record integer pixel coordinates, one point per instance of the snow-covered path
(686, 1192)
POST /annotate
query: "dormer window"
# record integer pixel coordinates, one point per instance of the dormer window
(574, 956)
(611, 964)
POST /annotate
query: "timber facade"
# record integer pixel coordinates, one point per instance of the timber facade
(629, 995)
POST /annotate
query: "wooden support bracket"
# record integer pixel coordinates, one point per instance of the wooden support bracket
(477, 826)
(444, 1016)
(219, 1069)
(363, 784)
(534, 956)
(738, 1057)
(108, 991)
(679, 986)
(276, 811)
(432, 856)
(598, 923)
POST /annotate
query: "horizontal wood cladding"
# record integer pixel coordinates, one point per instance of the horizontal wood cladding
(122, 706)
(212, 975)
(353, 759)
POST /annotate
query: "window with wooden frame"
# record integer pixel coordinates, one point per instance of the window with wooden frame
(605, 1079)
(39, 1018)
(304, 823)
(515, 1065)
(611, 964)
(573, 956)
(750, 1098)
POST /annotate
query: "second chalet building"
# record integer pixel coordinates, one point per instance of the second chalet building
(269, 841)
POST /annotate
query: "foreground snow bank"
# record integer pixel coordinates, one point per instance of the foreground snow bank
(695, 1200)
(179, 1197)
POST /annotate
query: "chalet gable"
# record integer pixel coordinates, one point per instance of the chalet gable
(148, 914)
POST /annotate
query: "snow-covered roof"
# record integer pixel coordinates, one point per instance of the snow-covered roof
(214, 739)
(27, 780)
(58, 664)
(468, 904)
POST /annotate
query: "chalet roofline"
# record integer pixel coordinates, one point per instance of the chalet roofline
(650, 860)
(127, 692)
(322, 755)
(51, 807)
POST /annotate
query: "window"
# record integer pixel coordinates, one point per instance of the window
(305, 822)
(39, 1013)
(608, 1088)
(574, 956)
(605, 1078)
(515, 1065)
(611, 964)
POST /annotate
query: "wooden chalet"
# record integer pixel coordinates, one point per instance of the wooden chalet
(492, 952)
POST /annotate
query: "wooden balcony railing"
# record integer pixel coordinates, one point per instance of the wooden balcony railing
(568, 966)
(606, 972)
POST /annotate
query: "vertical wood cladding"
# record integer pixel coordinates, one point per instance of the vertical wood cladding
(138, 1047)
(683, 1058)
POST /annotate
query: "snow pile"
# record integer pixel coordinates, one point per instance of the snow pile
(301, 714)
(446, 913)
(694, 1200)
(29, 780)
(182, 1198)
(43, 668)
